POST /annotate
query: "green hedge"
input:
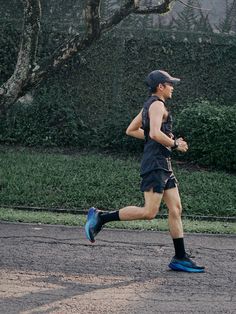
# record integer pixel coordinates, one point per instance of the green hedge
(211, 134)
(46, 122)
(91, 101)
(204, 62)
(210, 130)
(55, 120)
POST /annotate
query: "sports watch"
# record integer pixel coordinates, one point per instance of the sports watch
(176, 144)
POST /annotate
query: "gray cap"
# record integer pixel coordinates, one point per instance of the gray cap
(159, 77)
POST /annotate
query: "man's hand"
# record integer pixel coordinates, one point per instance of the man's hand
(182, 145)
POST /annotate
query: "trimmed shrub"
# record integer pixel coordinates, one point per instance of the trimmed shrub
(211, 134)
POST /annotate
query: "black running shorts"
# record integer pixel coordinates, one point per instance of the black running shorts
(158, 180)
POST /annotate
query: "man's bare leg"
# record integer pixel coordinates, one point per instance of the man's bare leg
(149, 211)
(172, 199)
(96, 219)
(181, 261)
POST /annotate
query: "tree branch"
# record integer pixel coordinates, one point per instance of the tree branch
(157, 9)
(94, 28)
(120, 15)
(133, 7)
(25, 77)
(92, 18)
(74, 45)
(11, 90)
(193, 7)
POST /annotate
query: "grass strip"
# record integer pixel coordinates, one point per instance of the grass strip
(82, 180)
(13, 215)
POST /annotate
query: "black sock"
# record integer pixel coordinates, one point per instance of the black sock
(179, 247)
(109, 216)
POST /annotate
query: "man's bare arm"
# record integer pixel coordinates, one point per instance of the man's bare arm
(156, 114)
(134, 129)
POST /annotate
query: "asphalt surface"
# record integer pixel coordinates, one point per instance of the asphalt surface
(53, 269)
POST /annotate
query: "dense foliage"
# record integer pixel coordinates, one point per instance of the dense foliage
(211, 133)
(91, 101)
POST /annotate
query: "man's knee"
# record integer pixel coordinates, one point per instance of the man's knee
(150, 213)
(152, 204)
(176, 211)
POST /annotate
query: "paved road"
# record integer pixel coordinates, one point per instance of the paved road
(53, 269)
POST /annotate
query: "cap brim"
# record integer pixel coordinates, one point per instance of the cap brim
(174, 80)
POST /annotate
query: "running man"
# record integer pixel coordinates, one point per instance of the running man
(154, 125)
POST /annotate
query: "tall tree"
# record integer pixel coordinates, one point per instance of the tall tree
(202, 23)
(228, 23)
(187, 18)
(28, 75)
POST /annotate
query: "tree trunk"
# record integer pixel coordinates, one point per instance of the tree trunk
(28, 75)
(11, 90)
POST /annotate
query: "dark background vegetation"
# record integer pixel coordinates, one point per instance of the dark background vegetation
(91, 100)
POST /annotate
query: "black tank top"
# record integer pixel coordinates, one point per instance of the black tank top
(155, 155)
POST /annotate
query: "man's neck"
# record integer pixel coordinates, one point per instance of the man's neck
(159, 96)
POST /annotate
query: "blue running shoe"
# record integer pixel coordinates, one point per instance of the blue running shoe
(185, 264)
(93, 224)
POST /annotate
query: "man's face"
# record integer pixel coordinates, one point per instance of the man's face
(168, 90)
